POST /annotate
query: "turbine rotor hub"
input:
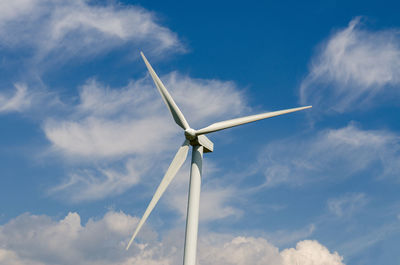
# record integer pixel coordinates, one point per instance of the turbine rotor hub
(190, 134)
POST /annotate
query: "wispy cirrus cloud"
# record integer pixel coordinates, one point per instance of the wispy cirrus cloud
(97, 182)
(353, 69)
(333, 154)
(65, 29)
(40, 35)
(375, 235)
(19, 101)
(41, 240)
(347, 204)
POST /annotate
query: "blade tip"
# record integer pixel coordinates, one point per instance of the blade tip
(143, 57)
(129, 245)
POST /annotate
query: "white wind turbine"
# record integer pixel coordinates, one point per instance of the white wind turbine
(200, 144)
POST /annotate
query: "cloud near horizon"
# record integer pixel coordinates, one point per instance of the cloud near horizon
(40, 240)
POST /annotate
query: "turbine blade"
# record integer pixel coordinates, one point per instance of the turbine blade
(169, 101)
(176, 164)
(239, 121)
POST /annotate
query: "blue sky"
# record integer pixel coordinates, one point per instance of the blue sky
(86, 138)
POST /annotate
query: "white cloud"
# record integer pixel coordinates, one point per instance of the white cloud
(94, 137)
(346, 204)
(353, 69)
(310, 252)
(217, 203)
(238, 251)
(45, 241)
(20, 101)
(334, 154)
(11, 258)
(110, 122)
(40, 240)
(96, 99)
(91, 184)
(79, 28)
(205, 100)
(131, 122)
(226, 250)
(107, 125)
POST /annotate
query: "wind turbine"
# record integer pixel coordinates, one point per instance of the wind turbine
(201, 144)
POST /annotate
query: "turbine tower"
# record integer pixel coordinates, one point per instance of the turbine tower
(201, 144)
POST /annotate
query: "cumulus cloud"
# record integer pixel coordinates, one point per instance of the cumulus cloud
(310, 252)
(353, 69)
(11, 258)
(41, 240)
(333, 154)
(79, 28)
(227, 250)
(21, 100)
(346, 204)
(238, 250)
(108, 125)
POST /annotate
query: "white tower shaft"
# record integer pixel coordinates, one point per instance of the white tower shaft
(192, 221)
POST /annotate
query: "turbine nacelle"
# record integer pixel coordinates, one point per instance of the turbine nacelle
(190, 134)
(194, 139)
